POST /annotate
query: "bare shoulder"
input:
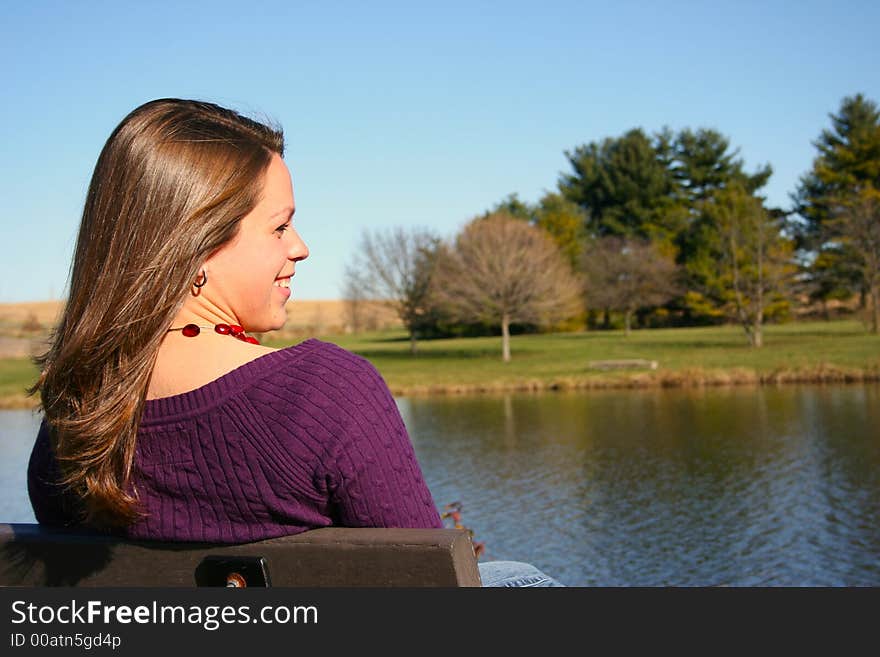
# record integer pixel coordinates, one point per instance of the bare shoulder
(182, 367)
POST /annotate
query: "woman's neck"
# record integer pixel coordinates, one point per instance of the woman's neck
(186, 363)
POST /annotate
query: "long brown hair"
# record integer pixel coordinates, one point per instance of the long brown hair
(170, 187)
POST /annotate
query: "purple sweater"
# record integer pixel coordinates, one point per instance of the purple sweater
(300, 438)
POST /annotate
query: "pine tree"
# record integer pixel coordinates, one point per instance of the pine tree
(623, 185)
(848, 162)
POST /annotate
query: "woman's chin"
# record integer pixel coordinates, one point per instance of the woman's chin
(275, 324)
(279, 323)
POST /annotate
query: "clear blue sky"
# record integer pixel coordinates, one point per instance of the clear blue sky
(401, 114)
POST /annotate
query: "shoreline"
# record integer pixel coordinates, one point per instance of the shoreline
(695, 378)
(654, 380)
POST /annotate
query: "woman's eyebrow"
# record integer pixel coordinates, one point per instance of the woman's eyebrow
(289, 211)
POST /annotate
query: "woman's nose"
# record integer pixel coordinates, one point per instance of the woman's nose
(298, 249)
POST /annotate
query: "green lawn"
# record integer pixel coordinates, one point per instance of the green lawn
(807, 351)
(563, 357)
(16, 374)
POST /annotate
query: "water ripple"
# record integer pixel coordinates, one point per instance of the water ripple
(758, 487)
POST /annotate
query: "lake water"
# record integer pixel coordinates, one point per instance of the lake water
(734, 486)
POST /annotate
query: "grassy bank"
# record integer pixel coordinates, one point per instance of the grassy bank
(806, 352)
(16, 374)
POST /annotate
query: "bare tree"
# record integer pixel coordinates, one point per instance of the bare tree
(395, 266)
(503, 270)
(856, 222)
(625, 275)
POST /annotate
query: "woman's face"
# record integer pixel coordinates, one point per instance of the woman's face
(249, 278)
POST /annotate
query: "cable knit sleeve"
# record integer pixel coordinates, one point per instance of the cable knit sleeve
(370, 471)
(51, 506)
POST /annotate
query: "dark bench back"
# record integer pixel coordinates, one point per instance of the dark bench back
(31, 555)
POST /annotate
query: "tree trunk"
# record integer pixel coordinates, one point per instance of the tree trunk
(875, 298)
(627, 320)
(412, 343)
(505, 338)
(757, 336)
(755, 331)
(606, 322)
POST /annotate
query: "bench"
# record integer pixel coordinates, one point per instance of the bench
(34, 555)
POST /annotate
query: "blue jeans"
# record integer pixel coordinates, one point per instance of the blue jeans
(513, 573)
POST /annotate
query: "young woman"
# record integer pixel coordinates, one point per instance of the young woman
(163, 418)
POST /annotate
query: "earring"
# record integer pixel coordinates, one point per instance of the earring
(204, 279)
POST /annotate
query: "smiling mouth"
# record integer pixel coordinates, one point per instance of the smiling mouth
(284, 282)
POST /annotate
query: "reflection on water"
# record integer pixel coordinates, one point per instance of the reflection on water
(741, 486)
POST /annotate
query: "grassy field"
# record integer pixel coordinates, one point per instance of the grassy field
(838, 351)
(815, 351)
(16, 374)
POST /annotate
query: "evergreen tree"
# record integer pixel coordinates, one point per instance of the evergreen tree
(856, 226)
(565, 222)
(623, 185)
(848, 161)
(512, 206)
(703, 163)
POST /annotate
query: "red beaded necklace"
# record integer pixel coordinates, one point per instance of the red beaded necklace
(192, 330)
